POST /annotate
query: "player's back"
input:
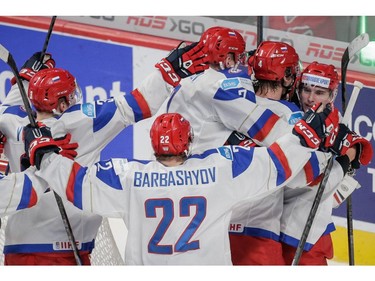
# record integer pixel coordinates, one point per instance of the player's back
(207, 100)
(180, 215)
(216, 104)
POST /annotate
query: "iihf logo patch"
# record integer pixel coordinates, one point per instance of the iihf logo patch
(236, 227)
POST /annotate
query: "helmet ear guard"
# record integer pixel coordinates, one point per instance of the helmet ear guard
(171, 135)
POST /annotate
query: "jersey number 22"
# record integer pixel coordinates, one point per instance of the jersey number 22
(183, 244)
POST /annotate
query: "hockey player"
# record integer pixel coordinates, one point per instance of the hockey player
(275, 67)
(319, 84)
(221, 101)
(218, 101)
(92, 126)
(177, 209)
(255, 234)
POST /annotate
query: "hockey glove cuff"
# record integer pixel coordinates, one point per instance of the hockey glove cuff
(67, 149)
(33, 65)
(347, 139)
(38, 141)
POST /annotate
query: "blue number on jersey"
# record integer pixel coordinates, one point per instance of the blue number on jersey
(183, 244)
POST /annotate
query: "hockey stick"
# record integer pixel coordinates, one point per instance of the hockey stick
(259, 30)
(47, 39)
(7, 57)
(353, 99)
(356, 45)
(362, 40)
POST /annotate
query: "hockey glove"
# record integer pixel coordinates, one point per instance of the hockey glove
(33, 65)
(347, 139)
(183, 62)
(318, 129)
(38, 141)
(67, 149)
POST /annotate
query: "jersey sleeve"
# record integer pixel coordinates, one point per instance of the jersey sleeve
(97, 189)
(19, 191)
(263, 169)
(14, 96)
(311, 171)
(154, 90)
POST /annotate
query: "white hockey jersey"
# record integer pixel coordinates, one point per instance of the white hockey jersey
(92, 125)
(297, 207)
(19, 191)
(177, 215)
(218, 103)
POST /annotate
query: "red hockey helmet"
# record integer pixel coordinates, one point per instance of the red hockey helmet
(210, 31)
(222, 40)
(48, 85)
(274, 60)
(322, 75)
(171, 134)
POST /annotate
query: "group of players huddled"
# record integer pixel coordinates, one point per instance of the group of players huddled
(240, 143)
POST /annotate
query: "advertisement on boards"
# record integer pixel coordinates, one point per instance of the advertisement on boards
(102, 70)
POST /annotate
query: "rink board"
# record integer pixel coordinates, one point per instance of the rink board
(105, 68)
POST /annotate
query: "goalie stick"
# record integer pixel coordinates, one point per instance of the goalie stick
(355, 46)
(7, 57)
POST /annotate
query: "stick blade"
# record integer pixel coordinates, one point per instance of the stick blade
(4, 54)
(357, 44)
